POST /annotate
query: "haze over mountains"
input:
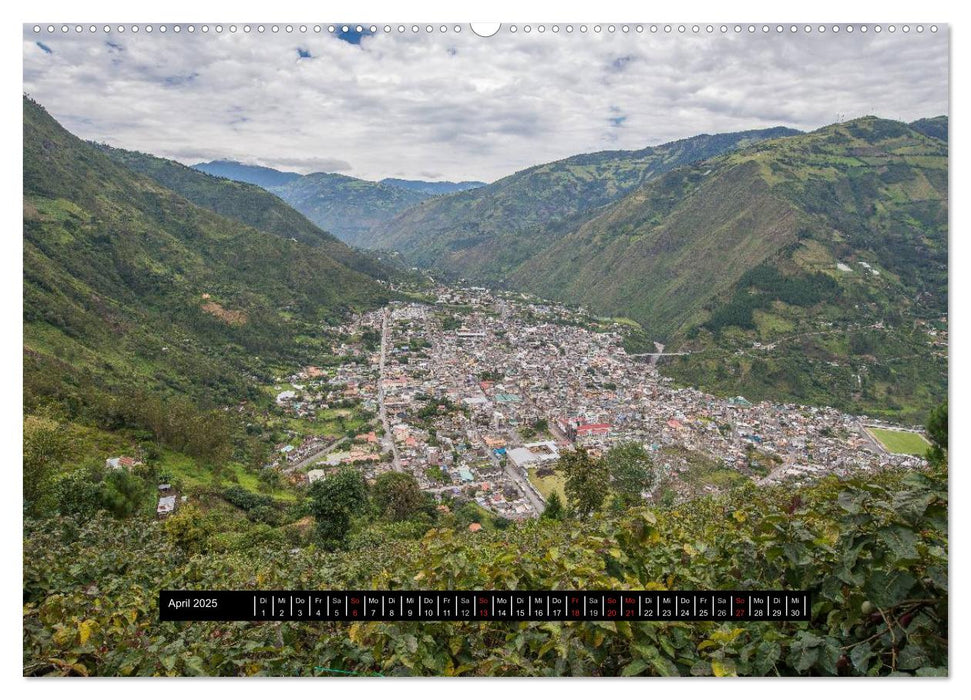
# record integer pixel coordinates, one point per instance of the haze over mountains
(346, 206)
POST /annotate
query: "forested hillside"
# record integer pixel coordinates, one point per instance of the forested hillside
(246, 203)
(830, 246)
(129, 287)
(483, 234)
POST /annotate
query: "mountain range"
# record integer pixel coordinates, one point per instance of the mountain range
(828, 247)
(346, 206)
(426, 187)
(485, 233)
(131, 283)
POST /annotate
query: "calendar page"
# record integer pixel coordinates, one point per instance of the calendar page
(599, 349)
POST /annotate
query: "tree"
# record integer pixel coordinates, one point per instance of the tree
(190, 528)
(332, 503)
(554, 507)
(587, 480)
(78, 492)
(632, 472)
(937, 431)
(398, 496)
(45, 448)
(121, 493)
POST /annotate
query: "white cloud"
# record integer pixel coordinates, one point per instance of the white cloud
(460, 105)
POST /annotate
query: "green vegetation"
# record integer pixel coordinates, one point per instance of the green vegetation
(486, 233)
(937, 431)
(935, 127)
(872, 552)
(246, 203)
(619, 478)
(45, 449)
(761, 286)
(334, 501)
(586, 479)
(344, 205)
(550, 483)
(901, 442)
(632, 472)
(398, 496)
(554, 509)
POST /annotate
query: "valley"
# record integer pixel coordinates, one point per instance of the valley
(717, 360)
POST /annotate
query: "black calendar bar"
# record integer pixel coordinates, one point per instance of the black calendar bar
(438, 606)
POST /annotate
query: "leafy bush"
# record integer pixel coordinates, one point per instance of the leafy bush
(872, 551)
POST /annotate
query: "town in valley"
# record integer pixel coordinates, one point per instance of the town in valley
(476, 393)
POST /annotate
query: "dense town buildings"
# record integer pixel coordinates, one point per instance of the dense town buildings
(474, 389)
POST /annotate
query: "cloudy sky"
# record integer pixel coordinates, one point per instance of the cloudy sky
(457, 106)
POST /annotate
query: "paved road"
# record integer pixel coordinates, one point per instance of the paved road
(307, 461)
(382, 410)
(516, 476)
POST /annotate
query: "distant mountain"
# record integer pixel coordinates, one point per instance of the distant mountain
(252, 174)
(247, 203)
(831, 244)
(485, 233)
(434, 188)
(935, 127)
(128, 285)
(346, 206)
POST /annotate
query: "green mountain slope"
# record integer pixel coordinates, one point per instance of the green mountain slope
(127, 284)
(250, 174)
(936, 127)
(810, 241)
(347, 206)
(247, 203)
(484, 233)
(427, 187)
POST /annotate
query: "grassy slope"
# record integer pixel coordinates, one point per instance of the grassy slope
(484, 233)
(670, 254)
(247, 203)
(115, 267)
(634, 257)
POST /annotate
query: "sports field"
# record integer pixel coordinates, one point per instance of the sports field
(546, 484)
(901, 442)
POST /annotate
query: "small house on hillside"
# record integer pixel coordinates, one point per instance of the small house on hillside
(121, 462)
(166, 505)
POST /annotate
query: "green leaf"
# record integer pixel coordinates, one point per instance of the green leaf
(634, 668)
(851, 501)
(900, 540)
(885, 589)
(723, 667)
(860, 656)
